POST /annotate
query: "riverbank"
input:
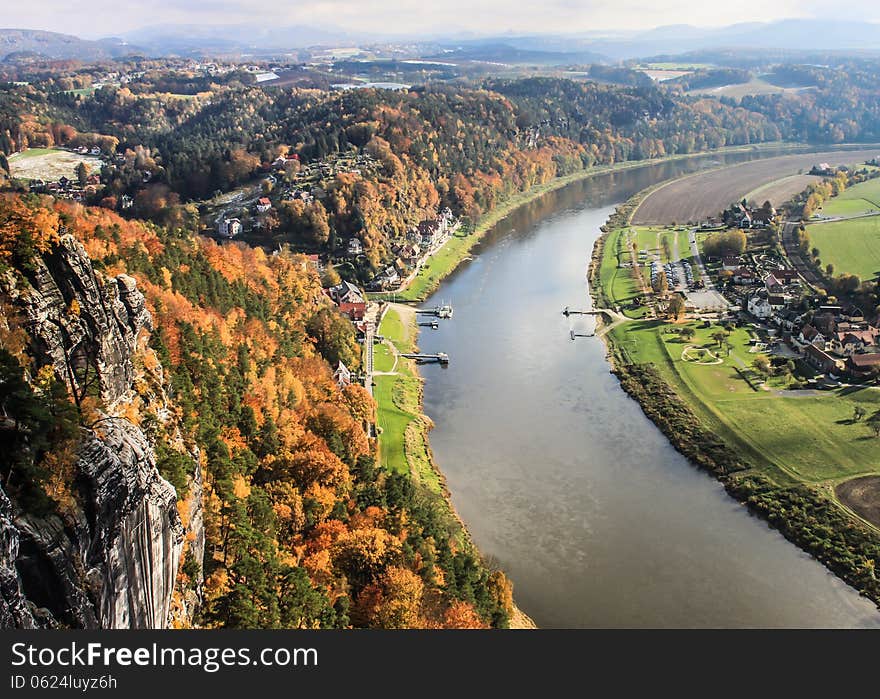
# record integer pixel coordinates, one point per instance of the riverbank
(712, 417)
(403, 436)
(459, 246)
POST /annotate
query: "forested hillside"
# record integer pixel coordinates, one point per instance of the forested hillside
(437, 146)
(301, 528)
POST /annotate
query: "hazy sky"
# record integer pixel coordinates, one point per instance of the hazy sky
(96, 18)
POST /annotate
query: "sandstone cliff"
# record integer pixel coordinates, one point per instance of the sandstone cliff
(110, 557)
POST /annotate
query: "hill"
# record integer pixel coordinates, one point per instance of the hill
(32, 43)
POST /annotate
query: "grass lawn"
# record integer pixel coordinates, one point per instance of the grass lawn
(383, 360)
(858, 199)
(851, 246)
(403, 442)
(31, 153)
(796, 437)
(619, 282)
(792, 437)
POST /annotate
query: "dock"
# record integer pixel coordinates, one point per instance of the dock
(440, 357)
(433, 324)
(443, 311)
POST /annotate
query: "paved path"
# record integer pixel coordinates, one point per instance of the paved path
(709, 297)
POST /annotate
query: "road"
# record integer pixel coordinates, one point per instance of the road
(793, 252)
(708, 298)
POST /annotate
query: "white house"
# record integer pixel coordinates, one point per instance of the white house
(342, 375)
(355, 247)
(229, 227)
(759, 305)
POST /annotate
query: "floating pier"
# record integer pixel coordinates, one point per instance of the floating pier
(575, 312)
(444, 311)
(430, 324)
(440, 357)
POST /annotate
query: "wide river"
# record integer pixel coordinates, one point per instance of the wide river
(560, 477)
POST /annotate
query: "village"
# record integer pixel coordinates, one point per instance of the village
(790, 318)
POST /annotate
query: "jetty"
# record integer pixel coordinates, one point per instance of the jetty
(440, 357)
(433, 324)
(443, 311)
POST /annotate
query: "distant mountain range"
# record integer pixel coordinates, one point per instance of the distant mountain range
(801, 35)
(33, 43)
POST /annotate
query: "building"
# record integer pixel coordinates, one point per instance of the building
(731, 264)
(862, 366)
(821, 360)
(759, 305)
(345, 292)
(744, 276)
(229, 227)
(354, 311)
(342, 375)
(811, 336)
(355, 247)
(263, 205)
(852, 341)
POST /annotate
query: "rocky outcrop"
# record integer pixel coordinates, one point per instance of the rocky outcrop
(110, 559)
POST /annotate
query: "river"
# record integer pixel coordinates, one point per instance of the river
(558, 474)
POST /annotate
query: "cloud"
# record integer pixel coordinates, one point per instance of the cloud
(109, 17)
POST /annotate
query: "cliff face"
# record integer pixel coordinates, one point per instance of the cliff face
(110, 557)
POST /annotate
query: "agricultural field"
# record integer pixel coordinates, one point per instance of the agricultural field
(859, 199)
(755, 86)
(49, 164)
(781, 190)
(853, 246)
(663, 74)
(695, 198)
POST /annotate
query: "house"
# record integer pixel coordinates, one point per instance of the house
(821, 360)
(744, 276)
(388, 278)
(731, 264)
(863, 365)
(428, 231)
(95, 150)
(825, 322)
(785, 276)
(263, 204)
(852, 314)
(809, 335)
(342, 375)
(761, 218)
(355, 247)
(229, 227)
(788, 319)
(345, 292)
(759, 305)
(745, 220)
(773, 284)
(852, 341)
(353, 311)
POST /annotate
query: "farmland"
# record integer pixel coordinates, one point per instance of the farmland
(755, 86)
(781, 190)
(49, 164)
(853, 247)
(858, 199)
(705, 194)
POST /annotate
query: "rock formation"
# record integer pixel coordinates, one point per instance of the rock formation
(111, 559)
